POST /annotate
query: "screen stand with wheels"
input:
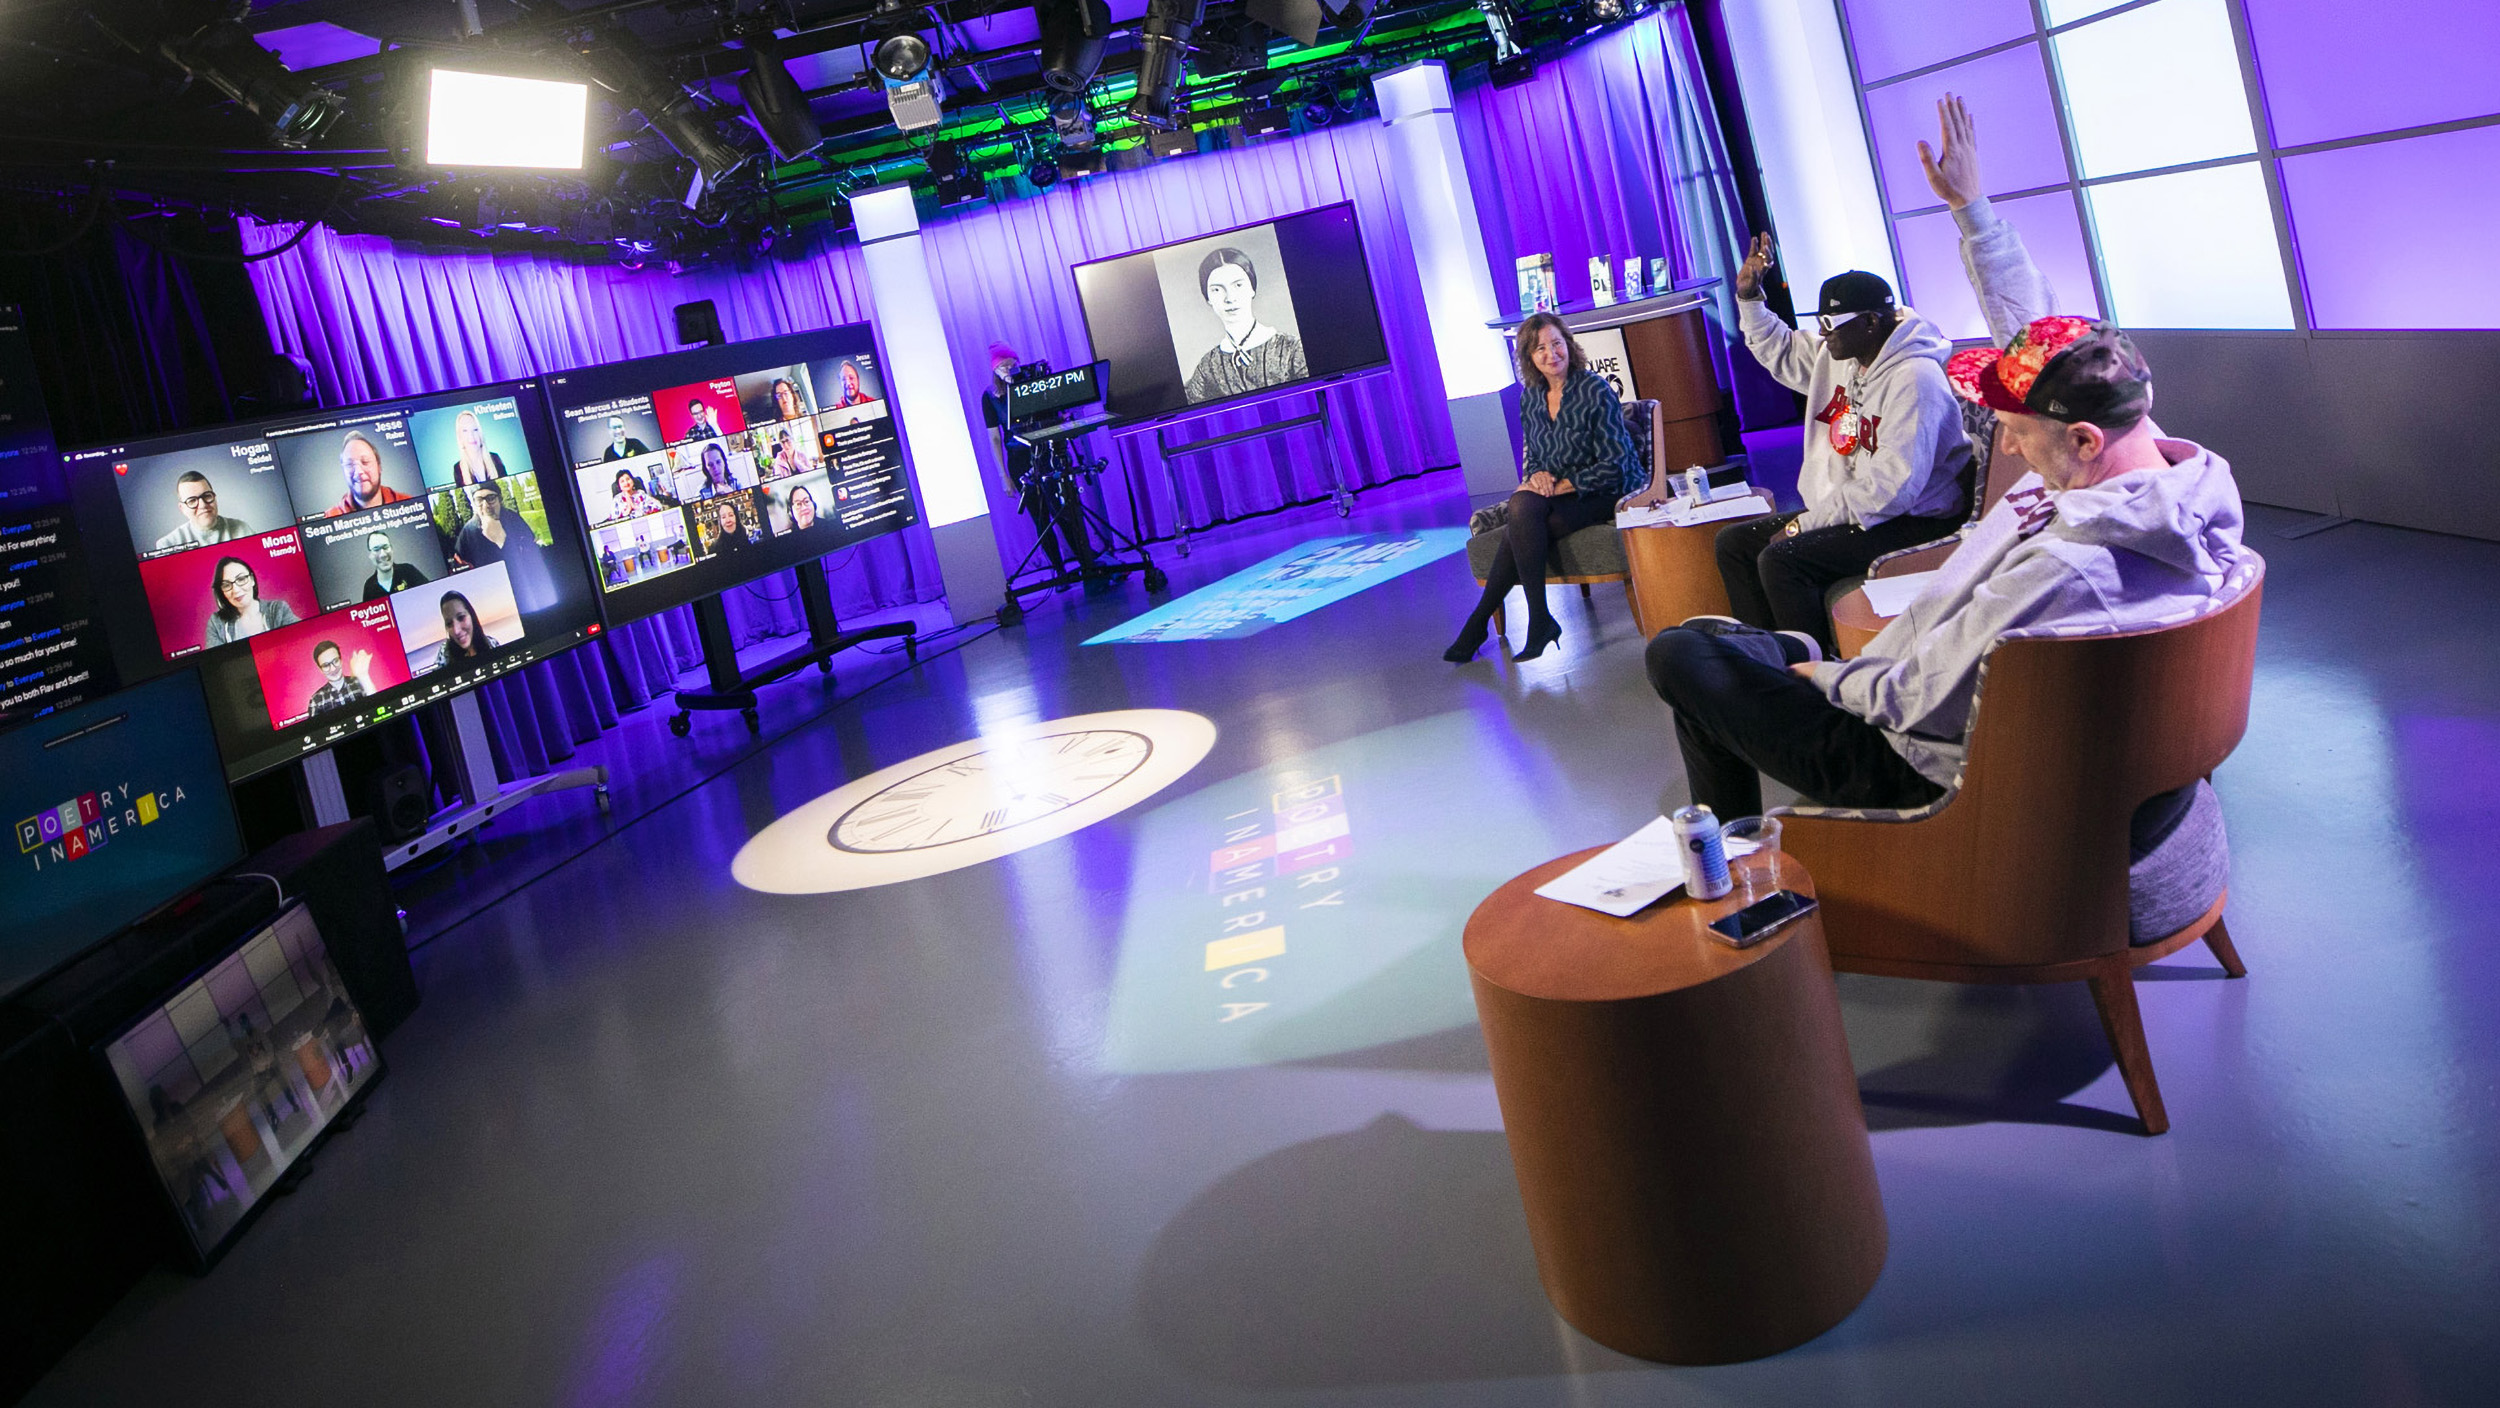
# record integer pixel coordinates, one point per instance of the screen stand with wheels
(732, 688)
(1339, 491)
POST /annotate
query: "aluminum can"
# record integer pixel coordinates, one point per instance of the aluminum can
(1705, 855)
(1694, 485)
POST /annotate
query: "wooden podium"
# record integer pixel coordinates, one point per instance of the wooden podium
(1666, 352)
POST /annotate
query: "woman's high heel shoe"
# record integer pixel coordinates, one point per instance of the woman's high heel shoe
(1471, 639)
(1540, 635)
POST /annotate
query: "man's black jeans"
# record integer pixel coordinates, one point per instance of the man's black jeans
(1777, 581)
(1737, 719)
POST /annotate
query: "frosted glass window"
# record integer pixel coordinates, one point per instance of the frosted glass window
(2009, 98)
(2155, 87)
(2069, 11)
(1895, 36)
(2337, 68)
(2193, 249)
(2392, 236)
(1931, 262)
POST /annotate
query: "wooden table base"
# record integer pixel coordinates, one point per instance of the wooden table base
(1693, 1159)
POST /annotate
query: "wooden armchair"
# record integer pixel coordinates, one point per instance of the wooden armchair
(1854, 621)
(2020, 874)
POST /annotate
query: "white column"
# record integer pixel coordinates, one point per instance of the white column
(1430, 174)
(1817, 174)
(920, 378)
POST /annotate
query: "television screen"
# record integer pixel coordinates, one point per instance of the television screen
(119, 805)
(240, 1071)
(700, 470)
(1248, 312)
(337, 568)
(52, 653)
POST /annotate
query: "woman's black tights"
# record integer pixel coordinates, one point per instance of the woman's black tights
(1536, 523)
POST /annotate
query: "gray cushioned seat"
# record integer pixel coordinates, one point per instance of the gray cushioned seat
(2174, 886)
(1594, 551)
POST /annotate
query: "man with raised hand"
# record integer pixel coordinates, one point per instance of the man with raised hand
(1885, 466)
(2114, 526)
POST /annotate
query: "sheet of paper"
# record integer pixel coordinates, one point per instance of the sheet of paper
(1890, 596)
(1630, 875)
(1745, 507)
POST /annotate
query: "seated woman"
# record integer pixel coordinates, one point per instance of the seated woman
(1579, 458)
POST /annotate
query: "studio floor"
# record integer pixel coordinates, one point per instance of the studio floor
(976, 1139)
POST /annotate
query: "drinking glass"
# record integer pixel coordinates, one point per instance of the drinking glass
(1756, 873)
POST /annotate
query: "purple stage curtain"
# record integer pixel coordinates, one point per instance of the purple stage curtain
(1611, 148)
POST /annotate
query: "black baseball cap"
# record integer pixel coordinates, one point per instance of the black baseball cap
(2065, 368)
(1854, 292)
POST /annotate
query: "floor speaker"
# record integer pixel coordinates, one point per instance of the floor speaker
(403, 802)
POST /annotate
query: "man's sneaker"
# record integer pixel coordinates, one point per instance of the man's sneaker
(1813, 650)
(1695, 620)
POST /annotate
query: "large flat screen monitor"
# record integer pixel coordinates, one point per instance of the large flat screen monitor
(116, 806)
(700, 470)
(241, 1071)
(333, 569)
(1244, 313)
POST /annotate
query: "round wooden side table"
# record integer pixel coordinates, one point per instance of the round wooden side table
(1675, 574)
(1855, 624)
(1684, 1121)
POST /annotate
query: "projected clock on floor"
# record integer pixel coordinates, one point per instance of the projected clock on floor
(1015, 787)
(994, 790)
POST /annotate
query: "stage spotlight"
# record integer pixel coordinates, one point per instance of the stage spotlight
(1041, 173)
(1512, 65)
(1073, 35)
(682, 120)
(1319, 112)
(1162, 46)
(1604, 12)
(775, 104)
(296, 110)
(915, 93)
(1072, 121)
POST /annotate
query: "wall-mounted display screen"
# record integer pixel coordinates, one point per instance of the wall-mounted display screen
(115, 806)
(333, 569)
(1190, 325)
(699, 470)
(237, 1074)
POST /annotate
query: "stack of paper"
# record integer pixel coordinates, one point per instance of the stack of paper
(1890, 596)
(1630, 875)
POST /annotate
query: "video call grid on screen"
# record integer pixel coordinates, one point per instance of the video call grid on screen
(1192, 325)
(335, 568)
(701, 470)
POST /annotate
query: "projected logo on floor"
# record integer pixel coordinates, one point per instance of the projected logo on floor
(1315, 906)
(975, 801)
(1288, 585)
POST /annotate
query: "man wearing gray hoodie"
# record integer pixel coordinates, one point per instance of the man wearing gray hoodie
(2116, 526)
(1886, 466)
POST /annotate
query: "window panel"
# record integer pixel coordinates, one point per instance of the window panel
(2069, 11)
(2334, 68)
(1937, 286)
(1895, 36)
(2398, 234)
(2194, 249)
(2009, 98)
(2159, 86)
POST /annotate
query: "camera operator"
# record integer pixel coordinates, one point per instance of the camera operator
(1058, 514)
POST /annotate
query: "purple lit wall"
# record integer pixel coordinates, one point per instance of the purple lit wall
(2400, 234)
(2009, 94)
(1891, 37)
(1931, 261)
(2338, 68)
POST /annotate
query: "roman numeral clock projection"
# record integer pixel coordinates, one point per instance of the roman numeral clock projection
(993, 790)
(975, 801)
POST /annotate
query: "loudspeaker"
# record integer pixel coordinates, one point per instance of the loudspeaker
(403, 802)
(698, 324)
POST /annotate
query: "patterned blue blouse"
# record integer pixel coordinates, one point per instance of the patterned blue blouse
(1587, 444)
